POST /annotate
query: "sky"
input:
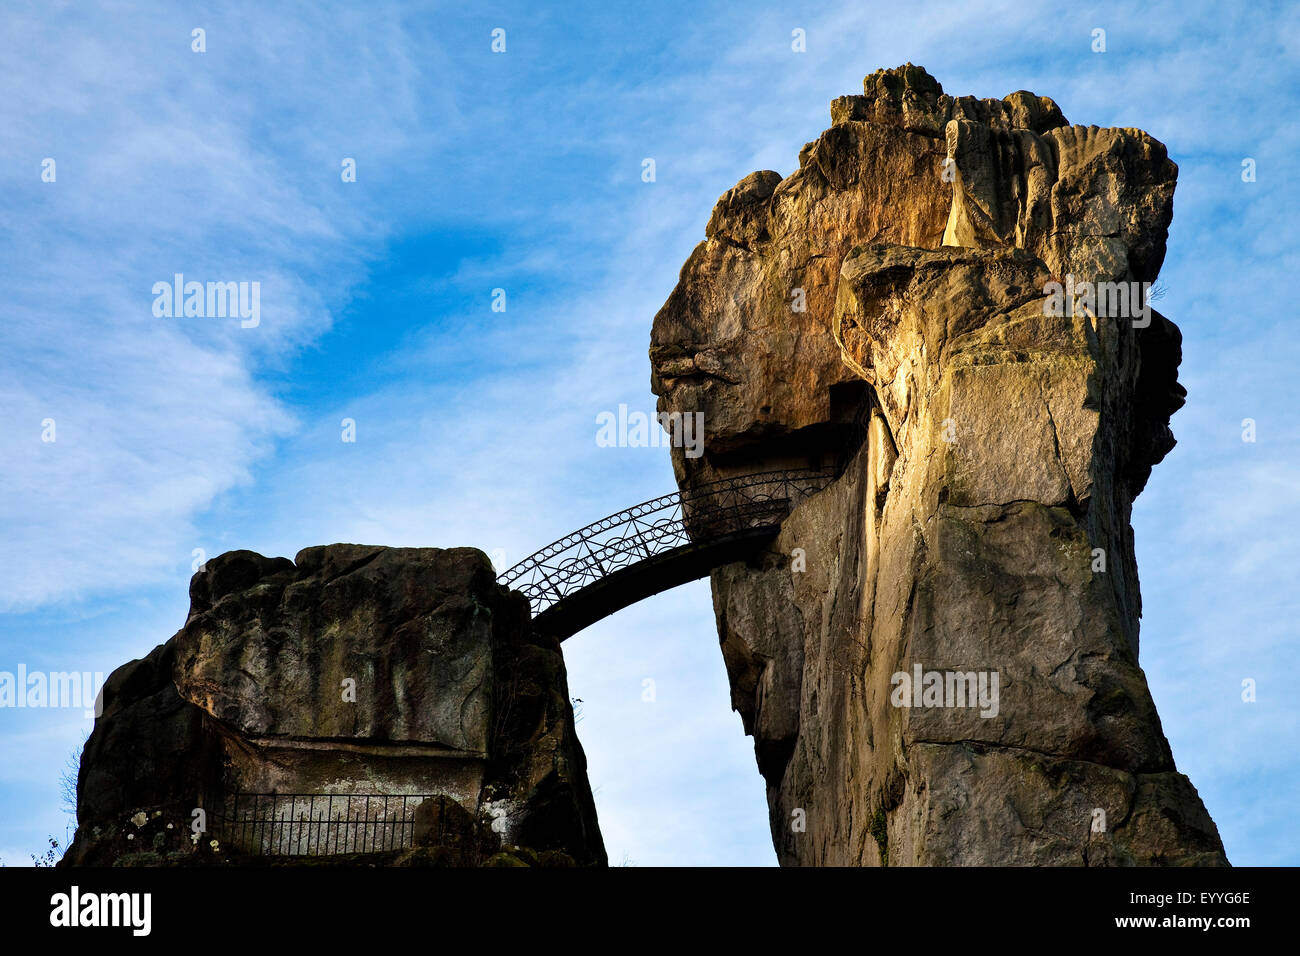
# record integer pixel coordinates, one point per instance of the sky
(179, 438)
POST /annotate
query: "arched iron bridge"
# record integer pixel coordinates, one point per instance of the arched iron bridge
(656, 545)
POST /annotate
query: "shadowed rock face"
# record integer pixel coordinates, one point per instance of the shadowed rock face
(982, 528)
(351, 670)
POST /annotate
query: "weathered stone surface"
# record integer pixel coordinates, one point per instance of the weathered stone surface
(1088, 201)
(405, 627)
(150, 749)
(729, 341)
(351, 670)
(1004, 449)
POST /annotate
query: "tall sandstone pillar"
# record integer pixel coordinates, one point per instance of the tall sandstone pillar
(894, 292)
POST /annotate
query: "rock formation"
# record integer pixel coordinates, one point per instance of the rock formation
(351, 671)
(937, 655)
(896, 291)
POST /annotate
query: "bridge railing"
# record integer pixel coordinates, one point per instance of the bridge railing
(706, 512)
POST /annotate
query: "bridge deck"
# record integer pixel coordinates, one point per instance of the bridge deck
(656, 545)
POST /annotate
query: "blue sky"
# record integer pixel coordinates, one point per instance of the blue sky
(521, 171)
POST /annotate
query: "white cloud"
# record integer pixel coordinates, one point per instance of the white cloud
(167, 161)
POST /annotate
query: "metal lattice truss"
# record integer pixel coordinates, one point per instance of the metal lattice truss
(706, 513)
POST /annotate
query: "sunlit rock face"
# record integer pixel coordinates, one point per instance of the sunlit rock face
(937, 657)
(398, 686)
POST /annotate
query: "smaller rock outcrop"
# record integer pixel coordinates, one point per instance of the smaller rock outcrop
(401, 686)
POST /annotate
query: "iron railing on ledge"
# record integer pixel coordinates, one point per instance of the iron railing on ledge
(316, 824)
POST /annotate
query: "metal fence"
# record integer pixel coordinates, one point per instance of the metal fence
(314, 824)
